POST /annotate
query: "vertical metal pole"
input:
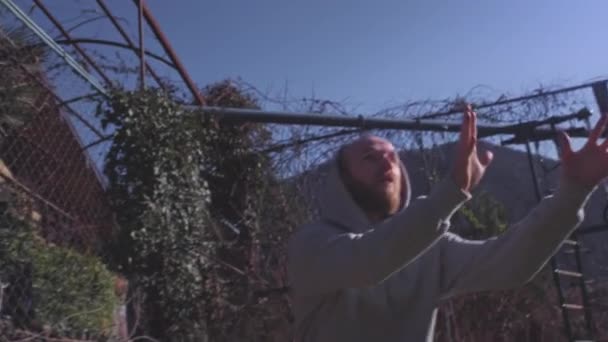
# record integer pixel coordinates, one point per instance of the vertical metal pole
(600, 92)
(537, 192)
(579, 263)
(583, 287)
(125, 36)
(142, 51)
(198, 97)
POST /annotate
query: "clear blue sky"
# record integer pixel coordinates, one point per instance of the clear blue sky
(375, 53)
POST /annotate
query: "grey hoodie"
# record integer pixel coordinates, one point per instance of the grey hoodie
(354, 281)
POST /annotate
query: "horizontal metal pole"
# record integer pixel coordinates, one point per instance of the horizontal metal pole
(315, 119)
(165, 43)
(290, 118)
(545, 134)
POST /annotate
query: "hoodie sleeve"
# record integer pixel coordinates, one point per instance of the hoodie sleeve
(514, 257)
(322, 259)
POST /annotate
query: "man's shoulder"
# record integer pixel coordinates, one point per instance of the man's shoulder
(313, 231)
(318, 226)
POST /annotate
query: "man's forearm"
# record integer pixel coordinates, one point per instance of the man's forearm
(539, 235)
(324, 260)
(514, 257)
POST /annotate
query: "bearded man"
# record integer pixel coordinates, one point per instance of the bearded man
(375, 266)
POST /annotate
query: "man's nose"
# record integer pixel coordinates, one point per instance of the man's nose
(386, 162)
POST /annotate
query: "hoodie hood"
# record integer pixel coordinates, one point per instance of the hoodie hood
(338, 206)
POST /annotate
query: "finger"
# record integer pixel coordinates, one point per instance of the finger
(473, 122)
(465, 129)
(564, 143)
(485, 158)
(472, 136)
(598, 129)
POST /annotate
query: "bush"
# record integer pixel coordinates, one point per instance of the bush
(51, 285)
(200, 216)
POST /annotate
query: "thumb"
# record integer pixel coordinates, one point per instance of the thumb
(564, 143)
(486, 157)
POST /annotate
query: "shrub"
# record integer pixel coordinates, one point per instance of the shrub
(51, 285)
(200, 216)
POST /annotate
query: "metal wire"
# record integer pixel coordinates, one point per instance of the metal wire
(26, 20)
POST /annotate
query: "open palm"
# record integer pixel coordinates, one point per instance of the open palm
(470, 165)
(589, 165)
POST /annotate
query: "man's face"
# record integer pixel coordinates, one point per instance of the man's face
(373, 175)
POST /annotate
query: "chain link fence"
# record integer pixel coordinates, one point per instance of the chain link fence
(54, 214)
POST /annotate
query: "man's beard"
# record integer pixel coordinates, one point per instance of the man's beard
(370, 200)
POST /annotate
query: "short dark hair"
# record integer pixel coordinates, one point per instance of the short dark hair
(341, 160)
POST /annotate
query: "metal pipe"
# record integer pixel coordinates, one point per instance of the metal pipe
(583, 288)
(579, 264)
(130, 43)
(66, 34)
(115, 44)
(284, 145)
(600, 92)
(289, 118)
(172, 55)
(544, 134)
(142, 51)
(38, 31)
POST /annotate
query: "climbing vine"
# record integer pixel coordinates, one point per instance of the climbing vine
(160, 201)
(194, 202)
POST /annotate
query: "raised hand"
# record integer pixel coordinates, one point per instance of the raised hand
(588, 166)
(469, 165)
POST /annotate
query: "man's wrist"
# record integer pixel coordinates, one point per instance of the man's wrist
(571, 192)
(458, 182)
(448, 197)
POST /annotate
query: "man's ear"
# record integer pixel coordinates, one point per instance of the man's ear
(341, 160)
